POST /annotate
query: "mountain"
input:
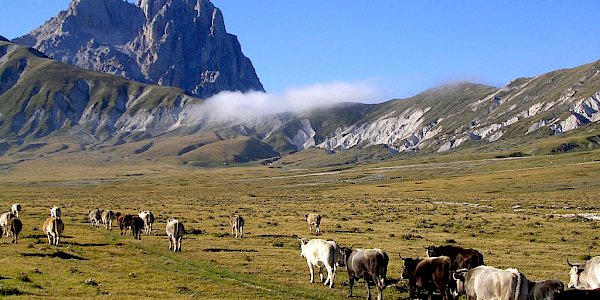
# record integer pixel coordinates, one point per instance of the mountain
(180, 43)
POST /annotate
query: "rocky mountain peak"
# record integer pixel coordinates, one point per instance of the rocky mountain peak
(180, 43)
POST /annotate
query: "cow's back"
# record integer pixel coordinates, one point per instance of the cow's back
(318, 250)
(175, 228)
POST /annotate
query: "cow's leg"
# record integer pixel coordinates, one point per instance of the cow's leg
(170, 242)
(179, 244)
(321, 273)
(379, 293)
(368, 290)
(330, 276)
(50, 239)
(232, 230)
(311, 268)
(350, 285)
(318, 230)
(241, 232)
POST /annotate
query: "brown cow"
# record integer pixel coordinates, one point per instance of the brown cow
(15, 226)
(578, 295)
(313, 220)
(370, 264)
(430, 274)
(125, 221)
(462, 258)
(53, 228)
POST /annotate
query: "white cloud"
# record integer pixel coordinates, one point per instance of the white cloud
(237, 106)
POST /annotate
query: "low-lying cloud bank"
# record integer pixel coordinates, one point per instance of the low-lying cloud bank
(238, 106)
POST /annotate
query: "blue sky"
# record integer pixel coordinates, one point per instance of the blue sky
(401, 47)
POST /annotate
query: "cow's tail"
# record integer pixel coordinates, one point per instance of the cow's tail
(520, 293)
(382, 272)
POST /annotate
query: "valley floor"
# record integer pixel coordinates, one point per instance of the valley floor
(510, 209)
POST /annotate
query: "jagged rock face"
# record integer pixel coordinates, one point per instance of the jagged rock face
(181, 43)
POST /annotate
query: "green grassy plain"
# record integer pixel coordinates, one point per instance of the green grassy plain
(399, 206)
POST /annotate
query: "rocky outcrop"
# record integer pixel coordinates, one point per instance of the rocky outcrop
(181, 43)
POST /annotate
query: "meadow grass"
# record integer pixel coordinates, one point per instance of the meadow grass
(509, 209)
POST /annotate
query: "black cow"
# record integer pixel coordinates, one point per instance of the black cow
(544, 290)
(578, 295)
(462, 258)
(370, 264)
(430, 274)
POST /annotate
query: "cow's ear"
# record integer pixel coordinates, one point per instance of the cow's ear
(458, 276)
(579, 270)
(306, 215)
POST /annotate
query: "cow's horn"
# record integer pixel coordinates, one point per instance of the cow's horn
(572, 265)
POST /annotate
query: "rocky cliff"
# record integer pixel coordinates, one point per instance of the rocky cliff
(180, 43)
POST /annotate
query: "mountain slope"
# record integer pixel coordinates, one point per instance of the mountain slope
(181, 43)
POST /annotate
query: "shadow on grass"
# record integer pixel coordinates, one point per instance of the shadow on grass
(88, 244)
(59, 254)
(227, 250)
(293, 236)
(8, 291)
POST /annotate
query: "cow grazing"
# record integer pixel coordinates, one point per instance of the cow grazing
(125, 221)
(462, 258)
(55, 212)
(53, 228)
(137, 226)
(237, 224)
(585, 275)
(107, 218)
(148, 218)
(430, 274)
(485, 282)
(321, 253)
(4, 220)
(313, 220)
(578, 295)
(370, 264)
(95, 217)
(15, 226)
(175, 231)
(545, 290)
(15, 208)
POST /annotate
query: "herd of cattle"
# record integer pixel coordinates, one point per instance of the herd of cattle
(448, 270)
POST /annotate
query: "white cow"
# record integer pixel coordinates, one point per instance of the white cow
(585, 275)
(313, 220)
(321, 253)
(95, 217)
(148, 218)
(55, 212)
(107, 218)
(4, 220)
(15, 208)
(485, 282)
(175, 231)
(237, 224)
(53, 228)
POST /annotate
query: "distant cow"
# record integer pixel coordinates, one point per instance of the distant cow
(430, 274)
(125, 222)
(95, 217)
(148, 218)
(55, 212)
(462, 258)
(237, 224)
(321, 253)
(107, 217)
(53, 228)
(15, 208)
(544, 290)
(137, 226)
(175, 231)
(370, 264)
(15, 226)
(585, 275)
(485, 282)
(4, 220)
(578, 295)
(313, 220)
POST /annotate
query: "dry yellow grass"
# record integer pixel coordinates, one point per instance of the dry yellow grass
(398, 206)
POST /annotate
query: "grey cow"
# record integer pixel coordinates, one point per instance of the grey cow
(370, 264)
(175, 231)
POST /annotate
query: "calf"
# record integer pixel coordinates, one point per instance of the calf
(430, 274)
(544, 290)
(320, 253)
(313, 220)
(485, 282)
(175, 231)
(125, 221)
(53, 228)
(148, 218)
(137, 226)
(55, 212)
(107, 217)
(370, 264)
(237, 223)
(462, 258)
(15, 208)
(14, 225)
(578, 295)
(95, 217)
(4, 220)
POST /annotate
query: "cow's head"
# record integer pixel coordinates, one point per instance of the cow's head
(410, 265)
(303, 242)
(574, 275)
(431, 251)
(460, 277)
(345, 254)
(340, 258)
